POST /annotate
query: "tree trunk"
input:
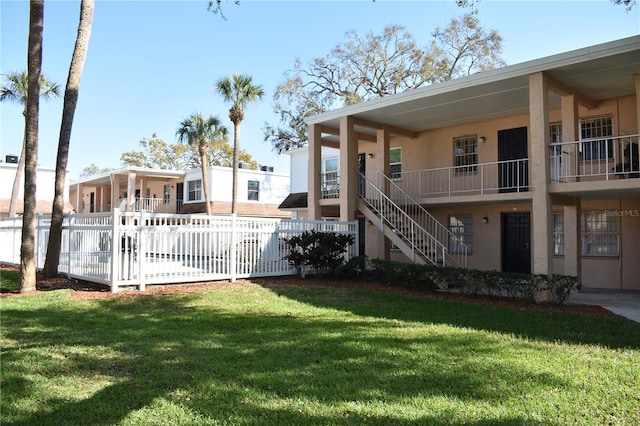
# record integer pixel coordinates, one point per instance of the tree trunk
(236, 164)
(34, 68)
(70, 101)
(205, 177)
(13, 204)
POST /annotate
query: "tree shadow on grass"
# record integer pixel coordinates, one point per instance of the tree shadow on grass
(196, 362)
(612, 332)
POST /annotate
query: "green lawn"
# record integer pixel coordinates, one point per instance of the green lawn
(247, 354)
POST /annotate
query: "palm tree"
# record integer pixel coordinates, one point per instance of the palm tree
(240, 91)
(34, 69)
(68, 110)
(14, 89)
(196, 130)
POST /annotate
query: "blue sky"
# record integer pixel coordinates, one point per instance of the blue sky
(152, 63)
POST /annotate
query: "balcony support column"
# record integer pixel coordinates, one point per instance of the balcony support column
(542, 217)
(115, 191)
(131, 191)
(348, 166)
(143, 188)
(569, 112)
(98, 199)
(637, 79)
(314, 172)
(80, 198)
(383, 245)
(572, 241)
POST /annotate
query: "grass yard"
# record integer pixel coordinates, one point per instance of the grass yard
(247, 354)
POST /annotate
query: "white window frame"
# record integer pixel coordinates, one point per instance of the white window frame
(599, 130)
(194, 190)
(251, 191)
(465, 154)
(395, 167)
(166, 193)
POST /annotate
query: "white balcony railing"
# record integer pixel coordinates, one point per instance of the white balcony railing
(587, 160)
(595, 159)
(155, 205)
(330, 185)
(477, 179)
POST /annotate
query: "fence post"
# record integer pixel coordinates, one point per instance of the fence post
(38, 238)
(115, 250)
(70, 245)
(356, 244)
(234, 249)
(141, 249)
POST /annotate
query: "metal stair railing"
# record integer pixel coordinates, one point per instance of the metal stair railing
(401, 223)
(427, 221)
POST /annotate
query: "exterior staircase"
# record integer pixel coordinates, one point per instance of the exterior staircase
(419, 235)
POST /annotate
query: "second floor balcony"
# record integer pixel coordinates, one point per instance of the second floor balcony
(477, 179)
(597, 159)
(582, 162)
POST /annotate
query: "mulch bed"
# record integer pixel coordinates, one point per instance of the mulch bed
(88, 290)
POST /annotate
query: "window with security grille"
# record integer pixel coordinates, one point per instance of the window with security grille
(461, 227)
(194, 188)
(253, 190)
(594, 133)
(558, 234)
(600, 234)
(466, 154)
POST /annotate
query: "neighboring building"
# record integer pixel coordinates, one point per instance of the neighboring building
(296, 201)
(136, 188)
(169, 191)
(529, 168)
(45, 188)
(259, 191)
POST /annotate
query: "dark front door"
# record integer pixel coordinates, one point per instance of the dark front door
(362, 168)
(179, 196)
(513, 175)
(516, 242)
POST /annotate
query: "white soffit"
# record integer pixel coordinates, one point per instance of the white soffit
(599, 72)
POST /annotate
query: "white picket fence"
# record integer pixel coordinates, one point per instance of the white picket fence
(152, 248)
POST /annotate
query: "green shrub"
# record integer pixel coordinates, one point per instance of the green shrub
(323, 251)
(472, 282)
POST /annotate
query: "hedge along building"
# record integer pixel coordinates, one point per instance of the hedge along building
(528, 168)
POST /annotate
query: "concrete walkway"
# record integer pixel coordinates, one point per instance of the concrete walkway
(623, 303)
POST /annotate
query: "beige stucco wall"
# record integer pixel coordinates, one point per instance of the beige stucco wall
(434, 148)
(487, 244)
(618, 272)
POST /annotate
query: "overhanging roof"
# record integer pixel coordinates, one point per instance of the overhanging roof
(104, 178)
(599, 72)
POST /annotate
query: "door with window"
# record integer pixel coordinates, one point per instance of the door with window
(516, 242)
(513, 169)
